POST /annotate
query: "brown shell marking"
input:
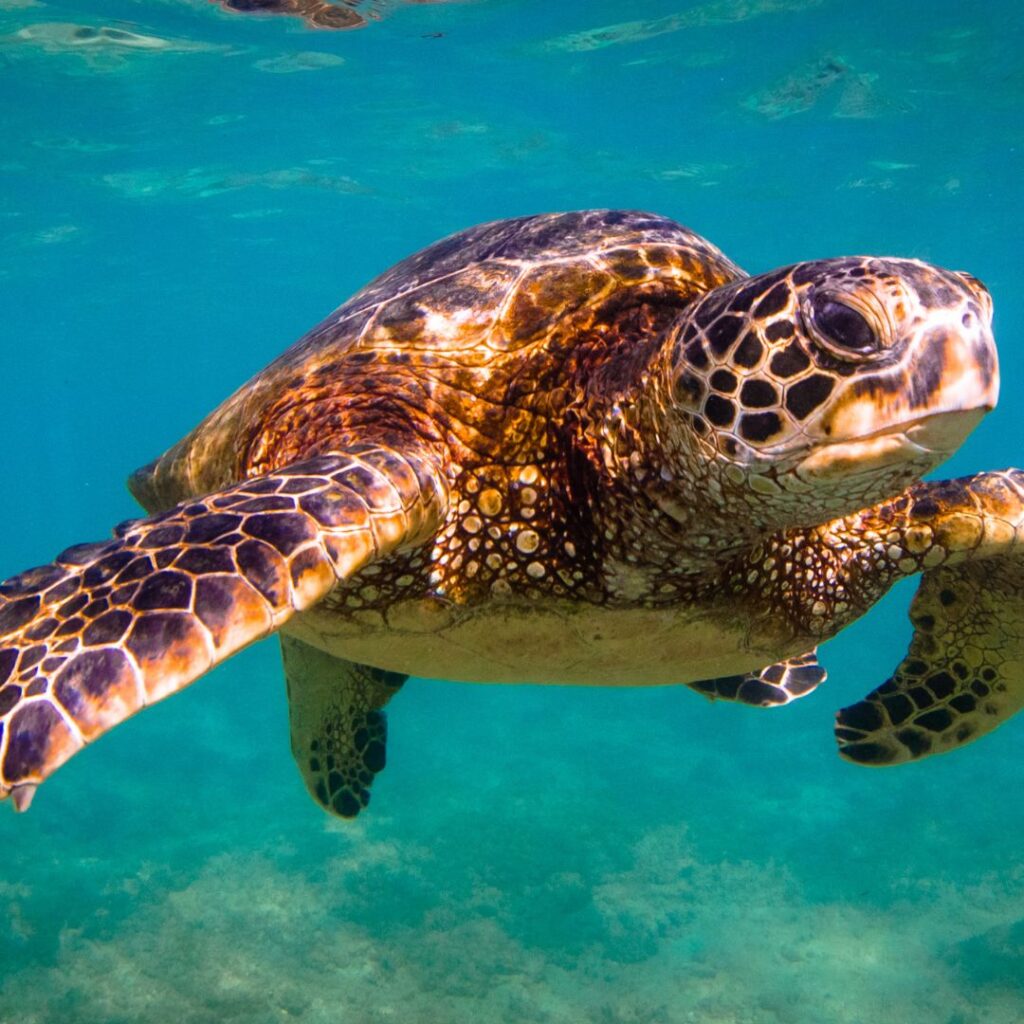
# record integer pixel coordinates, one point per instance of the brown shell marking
(477, 342)
(502, 345)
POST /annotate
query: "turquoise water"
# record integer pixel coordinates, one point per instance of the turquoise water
(172, 215)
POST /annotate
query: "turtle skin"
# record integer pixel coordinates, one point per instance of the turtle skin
(579, 447)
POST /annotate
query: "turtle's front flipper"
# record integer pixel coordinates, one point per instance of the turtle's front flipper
(963, 674)
(108, 628)
(339, 732)
(771, 686)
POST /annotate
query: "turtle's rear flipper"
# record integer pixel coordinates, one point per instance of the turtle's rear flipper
(771, 686)
(108, 628)
(963, 674)
(339, 732)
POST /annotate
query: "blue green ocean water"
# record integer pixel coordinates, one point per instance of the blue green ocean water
(172, 215)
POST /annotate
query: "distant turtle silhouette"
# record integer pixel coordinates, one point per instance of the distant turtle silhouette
(315, 13)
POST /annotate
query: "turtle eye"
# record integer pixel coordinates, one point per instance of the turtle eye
(842, 327)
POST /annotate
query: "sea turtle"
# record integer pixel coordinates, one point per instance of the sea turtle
(567, 448)
(315, 13)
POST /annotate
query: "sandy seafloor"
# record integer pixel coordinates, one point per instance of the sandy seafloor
(174, 212)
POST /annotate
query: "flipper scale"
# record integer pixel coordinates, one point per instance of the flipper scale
(963, 674)
(108, 628)
(338, 727)
(770, 686)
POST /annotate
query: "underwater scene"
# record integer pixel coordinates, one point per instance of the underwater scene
(186, 187)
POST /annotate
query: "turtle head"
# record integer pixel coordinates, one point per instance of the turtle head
(842, 380)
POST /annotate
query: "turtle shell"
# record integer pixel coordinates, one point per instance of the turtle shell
(491, 311)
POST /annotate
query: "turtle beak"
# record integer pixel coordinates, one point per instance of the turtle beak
(944, 432)
(931, 439)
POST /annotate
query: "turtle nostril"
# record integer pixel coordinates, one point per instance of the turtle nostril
(978, 290)
(974, 283)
